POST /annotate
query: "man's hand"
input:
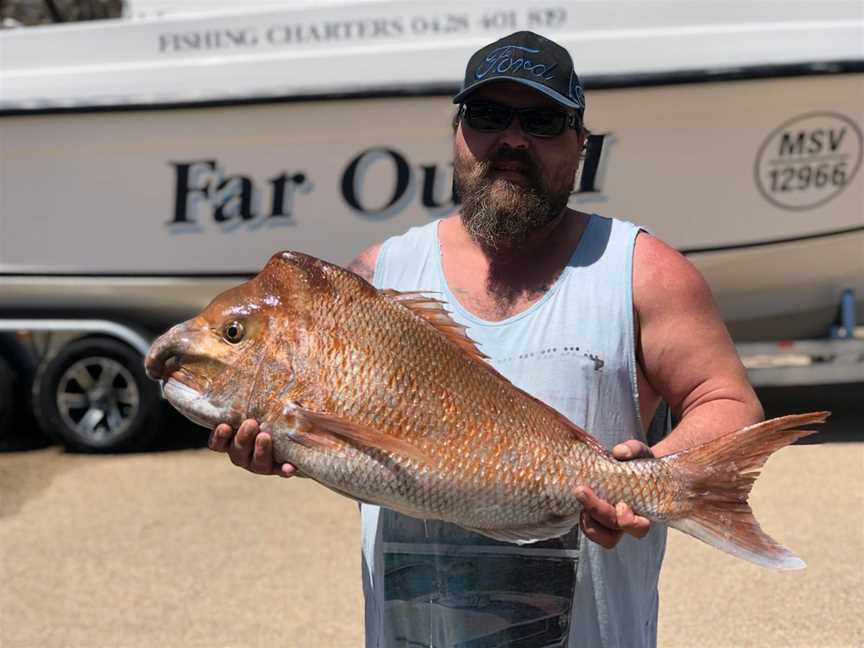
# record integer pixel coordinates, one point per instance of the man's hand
(604, 523)
(249, 448)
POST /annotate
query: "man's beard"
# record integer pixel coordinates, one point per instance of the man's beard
(499, 213)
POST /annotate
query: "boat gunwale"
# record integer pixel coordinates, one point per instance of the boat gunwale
(436, 89)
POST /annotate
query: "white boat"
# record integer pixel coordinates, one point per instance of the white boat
(154, 156)
(146, 164)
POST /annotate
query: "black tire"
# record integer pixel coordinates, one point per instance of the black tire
(94, 396)
(8, 395)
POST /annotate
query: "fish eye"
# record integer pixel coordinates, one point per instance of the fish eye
(233, 331)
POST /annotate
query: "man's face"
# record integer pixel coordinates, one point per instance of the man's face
(512, 183)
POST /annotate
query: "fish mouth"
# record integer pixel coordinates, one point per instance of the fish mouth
(170, 366)
(172, 349)
(158, 365)
(190, 396)
(195, 405)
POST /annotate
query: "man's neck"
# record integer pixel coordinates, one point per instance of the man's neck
(513, 276)
(538, 243)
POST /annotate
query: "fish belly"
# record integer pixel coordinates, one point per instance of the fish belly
(469, 499)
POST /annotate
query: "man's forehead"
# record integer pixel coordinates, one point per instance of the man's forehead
(515, 94)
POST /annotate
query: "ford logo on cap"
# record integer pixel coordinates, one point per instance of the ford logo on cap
(529, 59)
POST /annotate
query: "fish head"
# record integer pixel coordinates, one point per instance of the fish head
(236, 359)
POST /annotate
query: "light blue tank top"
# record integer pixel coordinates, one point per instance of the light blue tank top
(429, 583)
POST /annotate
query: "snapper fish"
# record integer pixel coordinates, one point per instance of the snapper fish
(381, 397)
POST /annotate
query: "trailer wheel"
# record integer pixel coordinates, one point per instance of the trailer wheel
(94, 396)
(7, 397)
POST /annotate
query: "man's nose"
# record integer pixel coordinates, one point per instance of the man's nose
(513, 136)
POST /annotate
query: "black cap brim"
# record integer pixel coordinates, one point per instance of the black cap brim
(539, 87)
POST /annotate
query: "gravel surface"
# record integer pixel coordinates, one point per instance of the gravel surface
(179, 548)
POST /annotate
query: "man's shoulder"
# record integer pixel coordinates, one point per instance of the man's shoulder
(662, 276)
(655, 257)
(410, 241)
(364, 263)
(603, 228)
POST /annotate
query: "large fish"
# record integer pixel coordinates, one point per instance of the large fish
(380, 396)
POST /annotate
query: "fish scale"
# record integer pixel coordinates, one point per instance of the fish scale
(381, 397)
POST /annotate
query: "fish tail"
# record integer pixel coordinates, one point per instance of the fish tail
(717, 477)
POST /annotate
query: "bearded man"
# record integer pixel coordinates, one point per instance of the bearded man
(591, 315)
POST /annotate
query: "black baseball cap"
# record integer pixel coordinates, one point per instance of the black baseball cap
(530, 59)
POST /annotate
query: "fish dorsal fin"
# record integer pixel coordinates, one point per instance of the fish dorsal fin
(432, 310)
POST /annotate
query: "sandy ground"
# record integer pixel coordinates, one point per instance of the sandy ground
(809, 498)
(178, 548)
(172, 549)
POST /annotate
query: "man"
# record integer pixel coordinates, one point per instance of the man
(592, 315)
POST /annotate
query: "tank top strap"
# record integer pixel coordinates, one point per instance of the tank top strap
(409, 261)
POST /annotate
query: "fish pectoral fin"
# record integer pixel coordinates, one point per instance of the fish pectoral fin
(552, 528)
(324, 430)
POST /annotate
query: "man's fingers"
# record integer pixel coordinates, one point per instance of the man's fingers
(286, 470)
(240, 450)
(604, 523)
(250, 448)
(630, 523)
(598, 533)
(621, 517)
(262, 456)
(599, 509)
(221, 437)
(246, 433)
(631, 449)
(598, 519)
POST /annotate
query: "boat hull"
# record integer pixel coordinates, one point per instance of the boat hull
(160, 209)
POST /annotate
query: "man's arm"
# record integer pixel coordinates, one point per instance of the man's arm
(364, 264)
(688, 359)
(249, 447)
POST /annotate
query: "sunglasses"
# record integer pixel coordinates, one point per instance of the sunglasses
(488, 117)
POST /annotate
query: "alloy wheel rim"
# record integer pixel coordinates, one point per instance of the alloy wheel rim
(98, 398)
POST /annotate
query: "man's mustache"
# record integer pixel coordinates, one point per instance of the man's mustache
(504, 155)
(512, 155)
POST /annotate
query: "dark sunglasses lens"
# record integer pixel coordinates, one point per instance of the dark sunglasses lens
(486, 117)
(543, 123)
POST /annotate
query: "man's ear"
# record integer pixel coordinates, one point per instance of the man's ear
(457, 117)
(582, 143)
